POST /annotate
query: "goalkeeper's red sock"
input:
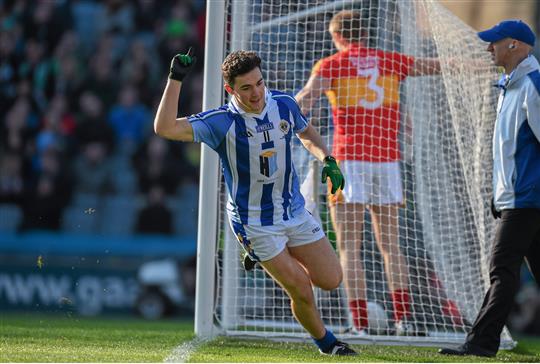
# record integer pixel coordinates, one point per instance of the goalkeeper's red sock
(400, 298)
(359, 313)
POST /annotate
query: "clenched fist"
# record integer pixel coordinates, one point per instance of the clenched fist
(181, 65)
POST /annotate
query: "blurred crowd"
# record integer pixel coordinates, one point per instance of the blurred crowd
(79, 85)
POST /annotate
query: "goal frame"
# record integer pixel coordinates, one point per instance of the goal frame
(209, 196)
(207, 230)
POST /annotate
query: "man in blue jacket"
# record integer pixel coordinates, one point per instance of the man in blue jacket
(516, 182)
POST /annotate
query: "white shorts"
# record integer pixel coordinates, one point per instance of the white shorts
(263, 243)
(372, 183)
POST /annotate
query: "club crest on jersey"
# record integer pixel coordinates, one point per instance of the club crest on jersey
(284, 126)
(268, 163)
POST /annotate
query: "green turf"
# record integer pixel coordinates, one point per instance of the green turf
(238, 350)
(64, 338)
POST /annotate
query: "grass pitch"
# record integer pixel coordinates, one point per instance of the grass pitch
(65, 338)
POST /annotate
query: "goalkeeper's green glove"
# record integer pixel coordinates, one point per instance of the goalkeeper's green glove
(332, 171)
(181, 64)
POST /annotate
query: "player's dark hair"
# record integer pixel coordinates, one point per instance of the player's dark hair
(350, 25)
(238, 63)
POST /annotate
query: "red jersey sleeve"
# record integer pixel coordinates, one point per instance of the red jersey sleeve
(398, 64)
(323, 68)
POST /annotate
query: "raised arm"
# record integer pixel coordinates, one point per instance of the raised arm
(311, 92)
(166, 124)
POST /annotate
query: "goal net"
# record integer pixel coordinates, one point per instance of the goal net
(444, 225)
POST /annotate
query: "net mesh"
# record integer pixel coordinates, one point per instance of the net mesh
(444, 228)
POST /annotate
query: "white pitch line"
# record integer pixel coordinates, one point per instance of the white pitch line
(182, 352)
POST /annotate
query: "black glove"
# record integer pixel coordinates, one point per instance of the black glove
(496, 214)
(332, 171)
(181, 64)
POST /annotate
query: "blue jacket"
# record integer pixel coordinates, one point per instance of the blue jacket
(516, 139)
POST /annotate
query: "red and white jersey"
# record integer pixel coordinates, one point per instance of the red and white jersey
(364, 95)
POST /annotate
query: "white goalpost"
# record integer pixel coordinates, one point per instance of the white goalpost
(209, 183)
(445, 227)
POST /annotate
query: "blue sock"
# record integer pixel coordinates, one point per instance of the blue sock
(327, 342)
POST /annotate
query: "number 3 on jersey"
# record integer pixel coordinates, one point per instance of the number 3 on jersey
(373, 75)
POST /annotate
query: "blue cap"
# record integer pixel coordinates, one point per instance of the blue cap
(515, 29)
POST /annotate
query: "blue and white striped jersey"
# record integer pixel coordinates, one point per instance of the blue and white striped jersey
(255, 152)
(516, 139)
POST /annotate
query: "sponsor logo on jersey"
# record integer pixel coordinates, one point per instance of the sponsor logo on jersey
(261, 128)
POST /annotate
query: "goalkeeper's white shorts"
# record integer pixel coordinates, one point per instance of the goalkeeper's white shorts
(370, 183)
(263, 243)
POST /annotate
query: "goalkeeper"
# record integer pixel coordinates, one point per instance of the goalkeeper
(252, 135)
(362, 86)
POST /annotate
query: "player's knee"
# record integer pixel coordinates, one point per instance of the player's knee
(337, 277)
(331, 280)
(303, 296)
(300, 291)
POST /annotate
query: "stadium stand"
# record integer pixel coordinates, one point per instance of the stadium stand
(79, 88)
